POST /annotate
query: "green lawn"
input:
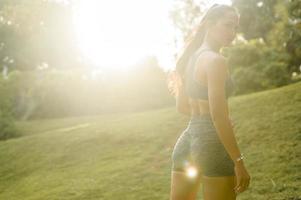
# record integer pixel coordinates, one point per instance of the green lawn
(128, 156)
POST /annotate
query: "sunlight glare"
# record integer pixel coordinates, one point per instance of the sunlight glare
(118, 33)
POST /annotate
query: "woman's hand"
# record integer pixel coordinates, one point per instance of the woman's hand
(232, 122)
(242, 177)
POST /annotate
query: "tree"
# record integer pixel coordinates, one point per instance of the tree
(256, 17)
(45, 35)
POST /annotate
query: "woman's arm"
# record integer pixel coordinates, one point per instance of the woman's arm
(182, 101)
(176, 88)
(216, 76)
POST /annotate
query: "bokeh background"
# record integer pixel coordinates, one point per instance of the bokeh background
(85, 111)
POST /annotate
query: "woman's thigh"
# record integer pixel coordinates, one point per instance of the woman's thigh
(219, 188)
(217, 167)
(181, 151)
(184, 184)
(184, 187)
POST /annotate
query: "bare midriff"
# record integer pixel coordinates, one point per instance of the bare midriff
(199, 107)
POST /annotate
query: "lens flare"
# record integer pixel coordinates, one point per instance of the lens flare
(191, 171)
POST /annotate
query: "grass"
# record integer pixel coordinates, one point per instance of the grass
(128, 156)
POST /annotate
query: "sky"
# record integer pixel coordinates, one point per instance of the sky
(117, 33)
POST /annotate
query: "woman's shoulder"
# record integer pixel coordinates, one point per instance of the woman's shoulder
(217, 64)
(217, 58)
(213, 59)
(210, 56)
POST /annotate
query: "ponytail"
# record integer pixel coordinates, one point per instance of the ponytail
(175, 78)
(193, 43)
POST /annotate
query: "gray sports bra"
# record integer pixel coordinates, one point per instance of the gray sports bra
(196, 90)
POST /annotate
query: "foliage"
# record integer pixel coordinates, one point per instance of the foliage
(258, 67)
(257, 17)
(185, 14)
(7, 125)
(28, 42)
(59, 93)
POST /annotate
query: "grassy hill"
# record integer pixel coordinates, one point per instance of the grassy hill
(128, 156)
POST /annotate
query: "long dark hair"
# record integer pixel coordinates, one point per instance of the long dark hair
(192, 43)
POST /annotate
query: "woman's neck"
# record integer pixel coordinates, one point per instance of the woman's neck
(210, 44)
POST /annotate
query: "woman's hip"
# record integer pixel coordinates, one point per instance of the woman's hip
(202, 129)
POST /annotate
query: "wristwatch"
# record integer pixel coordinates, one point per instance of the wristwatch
(241, 157)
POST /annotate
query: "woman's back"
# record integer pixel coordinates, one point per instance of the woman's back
(196, 80)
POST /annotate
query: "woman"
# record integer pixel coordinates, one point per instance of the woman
(207, 150)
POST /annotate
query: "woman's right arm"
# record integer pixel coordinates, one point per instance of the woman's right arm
(217, 72)
(216, 76)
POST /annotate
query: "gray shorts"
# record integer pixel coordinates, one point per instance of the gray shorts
(200, 146)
